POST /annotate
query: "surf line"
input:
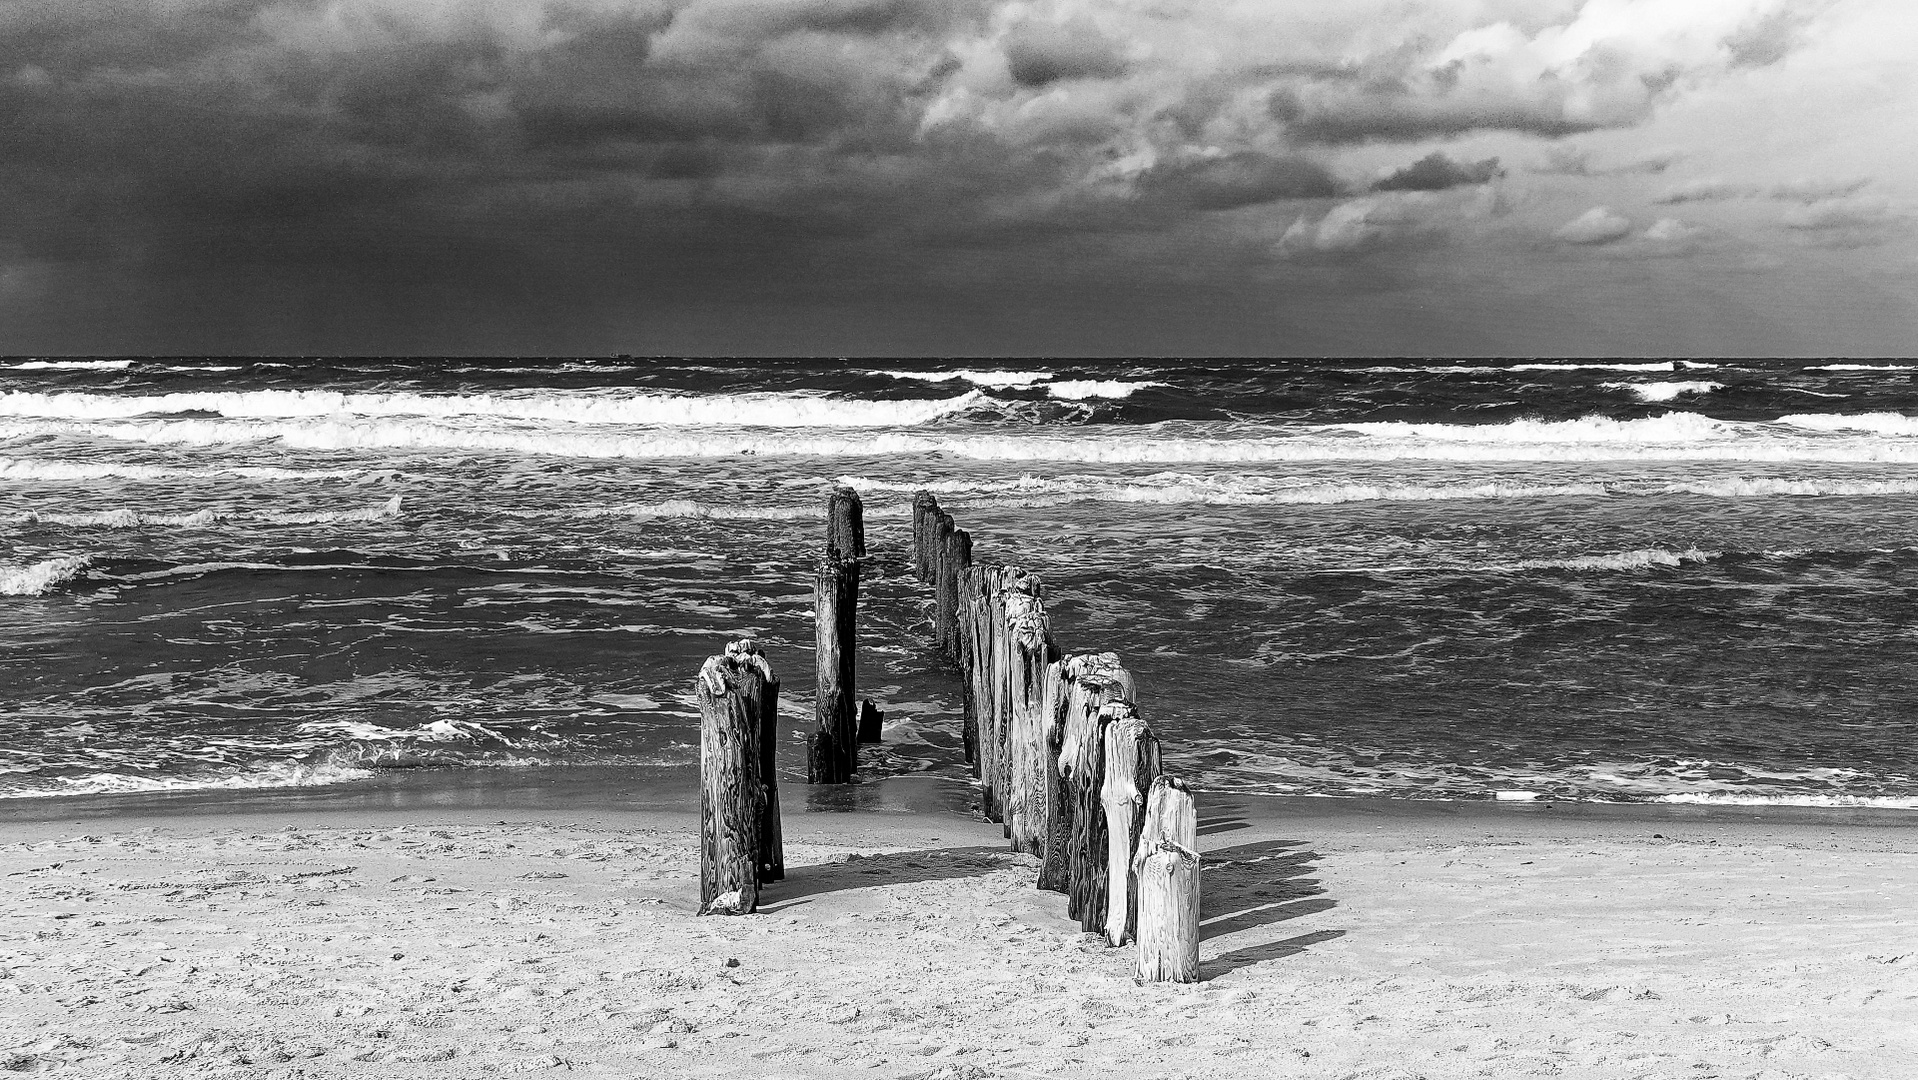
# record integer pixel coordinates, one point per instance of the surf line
(1063, 759)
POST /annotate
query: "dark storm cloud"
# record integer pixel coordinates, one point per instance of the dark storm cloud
(1436, 172)
(267, 169)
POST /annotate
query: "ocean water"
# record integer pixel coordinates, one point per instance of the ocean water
(1627, 582)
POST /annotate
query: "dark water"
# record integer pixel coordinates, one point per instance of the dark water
(1677, 581)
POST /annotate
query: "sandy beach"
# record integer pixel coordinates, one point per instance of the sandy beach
(1342, 939)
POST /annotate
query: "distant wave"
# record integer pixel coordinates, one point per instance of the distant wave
(72, 365)
(38, 579)
(1664, 391)
(683, 508)
(126, 518)
(1666, 365)
(31, 469)
(1863, 367)
(1673, 436)
(996, 380)
(795, 409)
(1081, 389)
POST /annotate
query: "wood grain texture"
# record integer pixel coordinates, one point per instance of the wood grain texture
(1166, 868)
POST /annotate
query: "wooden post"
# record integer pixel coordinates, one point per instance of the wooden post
(954, 553)
(1166, 868)
(834, 751)
(732, 799)
(978, 590)
(871, 722)
(1089, 682)
(772, 843)
(992, 624)
(845, 524)
(940, 557)
(924, 506)
(1054, 869)
(968, 648)
(1132, 763)
(1025, 734)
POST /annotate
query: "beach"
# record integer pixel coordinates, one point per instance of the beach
(403, 929)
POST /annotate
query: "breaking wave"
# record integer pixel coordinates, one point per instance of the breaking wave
(287, 774)
(1664, 391)
(995, 380)
(1081, 389)
(1882, 802)
(38, 579)
(1642, 559)
(72, 365)
(796, 409)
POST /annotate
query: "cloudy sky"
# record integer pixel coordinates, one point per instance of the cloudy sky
(959, 177)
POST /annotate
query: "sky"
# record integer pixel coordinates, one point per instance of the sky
(959, 177)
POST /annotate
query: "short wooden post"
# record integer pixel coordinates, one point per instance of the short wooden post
(732, 799)
(1131, 764)
(834, 751)
(968, 650)
(1166, 868)
(924, 506)
(992, 709)
(1054, 868)
(845, 524)
(871, 722)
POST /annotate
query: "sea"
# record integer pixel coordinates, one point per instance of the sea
(1620, 581)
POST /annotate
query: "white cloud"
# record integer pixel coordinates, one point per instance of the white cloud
(1599, 225)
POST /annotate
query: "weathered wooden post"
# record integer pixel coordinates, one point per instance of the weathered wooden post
(955, 553)
(940, 556)
(772, 843)
(833, 754)
(992, 627)
(1131, 764)
(732, 798)
(845, 524)
(872, 722)
(964, 646)
(924, 506)
(1025, 736)
(1090, 682)
(1166, 868)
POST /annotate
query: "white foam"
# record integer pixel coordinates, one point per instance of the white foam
(1746, 487)
(1666, 365)
(1664, 391)
(1674, 436)
(796, 409)
(683, 508)
(125, 518)
(28, 469)
(1877, 423)
(994, 380)
(72, 365)
(271, 775)
(1882, 802)
(1081, 389)
(1863, 367)
(1642, 559)
(38, 579)
(1515, 796)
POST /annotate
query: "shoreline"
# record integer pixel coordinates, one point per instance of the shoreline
(630, 789)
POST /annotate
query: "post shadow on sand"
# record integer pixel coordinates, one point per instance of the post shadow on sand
(1251, 885)
(803, 882)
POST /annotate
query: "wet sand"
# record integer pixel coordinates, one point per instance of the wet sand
(445, 927)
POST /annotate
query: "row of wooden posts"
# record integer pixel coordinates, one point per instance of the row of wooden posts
(1063, 759)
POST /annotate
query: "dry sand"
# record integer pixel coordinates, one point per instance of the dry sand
(1339, 944)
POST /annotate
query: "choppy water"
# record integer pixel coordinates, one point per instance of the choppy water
(1632, 581)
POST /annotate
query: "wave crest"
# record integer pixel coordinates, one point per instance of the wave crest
(38, 579)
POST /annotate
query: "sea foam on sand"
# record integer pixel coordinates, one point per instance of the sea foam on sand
(1501, 942)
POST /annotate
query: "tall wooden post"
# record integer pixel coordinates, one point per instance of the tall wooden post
(834, 751)
(1132, 763)
(1025, 736)
(1166, 868)
(965, 643)
(732, 798)
(939, 555)
(845, 524)
(1090, 682)
(954, 555)
(772, 843)
(1054, 869)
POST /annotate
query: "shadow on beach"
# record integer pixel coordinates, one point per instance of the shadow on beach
(1252, 885)
(891, 868)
